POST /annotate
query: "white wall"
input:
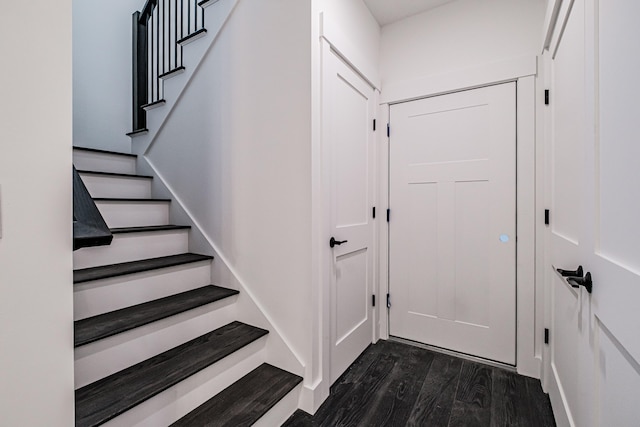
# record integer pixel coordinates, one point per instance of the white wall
(458, 35)
(36, 285)
(235, 150)
(102, 73)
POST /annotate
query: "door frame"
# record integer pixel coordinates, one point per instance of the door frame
(317, 372)
(529, 210)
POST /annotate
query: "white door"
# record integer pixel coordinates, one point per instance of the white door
(453, 221)
(594, 358)
(348, 112)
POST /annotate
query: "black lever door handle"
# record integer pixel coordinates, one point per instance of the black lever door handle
(585, 281)
(333, 242)
(571, 273)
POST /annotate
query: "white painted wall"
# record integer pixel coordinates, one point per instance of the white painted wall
(236, 152)
(102, 73)
(459, 35)
(36, 314)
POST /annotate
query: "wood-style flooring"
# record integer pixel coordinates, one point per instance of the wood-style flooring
(395, 384)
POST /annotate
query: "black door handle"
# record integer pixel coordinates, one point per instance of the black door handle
(333, 242)
(571, 273)
(585, 281)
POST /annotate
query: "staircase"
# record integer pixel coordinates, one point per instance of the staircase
(157, 344)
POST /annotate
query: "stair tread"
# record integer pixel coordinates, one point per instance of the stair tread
(131, 267)
(109, 397)
(105, 325)
(123, 175)
(125, 199)
(97, 150)
(122, 230)
(245, 401)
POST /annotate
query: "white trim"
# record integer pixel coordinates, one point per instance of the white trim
(561, 23)
(550, 20)
(528, 362)
(523, 71)
(383, 225)
(331, 32)
(467, 78)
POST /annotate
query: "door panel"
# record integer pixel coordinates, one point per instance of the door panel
(595, 350)
(348, 112)
(452, 233)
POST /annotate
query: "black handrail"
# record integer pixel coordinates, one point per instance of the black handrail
(89, 228)
(158, 33)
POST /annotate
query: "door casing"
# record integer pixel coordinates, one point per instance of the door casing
(529, 211)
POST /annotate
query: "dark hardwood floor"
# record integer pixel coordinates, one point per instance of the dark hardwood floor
(395, 384)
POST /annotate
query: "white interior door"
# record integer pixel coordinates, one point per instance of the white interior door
(348, 112)
(595, 347)
(453, 221)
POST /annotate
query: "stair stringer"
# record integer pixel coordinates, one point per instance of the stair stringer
(216, 14)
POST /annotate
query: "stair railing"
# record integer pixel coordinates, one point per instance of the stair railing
(89, 227)
(159, 32)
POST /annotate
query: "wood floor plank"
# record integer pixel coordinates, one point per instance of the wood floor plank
(472, 404)
(375, 390)
(300, 419)
(395, 400)
(540, 406)
(353, 406)
(508, 406)
(435, 401)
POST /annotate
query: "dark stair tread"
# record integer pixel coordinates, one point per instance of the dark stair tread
(148, 228)
(112, 323)
(109, 397)
(138, 132)
(122, 175)
(96, 150)
(134, 199)
(131, 267)
(194, 35)
(245, 401)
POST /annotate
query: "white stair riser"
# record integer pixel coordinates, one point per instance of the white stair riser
(117, 186)
(103, 162)
(133, 247)
(176, 402)
(281, 412)
(102, 296)
(110, 355)
(134, 214)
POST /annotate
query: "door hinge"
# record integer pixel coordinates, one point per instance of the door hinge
(388, 130)
(388, 301)
(546, 217)
(373, 300)
(546, 335)
(374, 212)
(374, 125)
(546, 97)
(388, 214)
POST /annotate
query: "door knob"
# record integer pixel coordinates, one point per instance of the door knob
(585, 281)
(333, 242)
(571, 273)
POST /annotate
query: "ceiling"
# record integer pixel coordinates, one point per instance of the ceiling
(388, 11)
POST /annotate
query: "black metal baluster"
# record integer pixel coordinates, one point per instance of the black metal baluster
(175, 32)
(157, 54)
(152, 62)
